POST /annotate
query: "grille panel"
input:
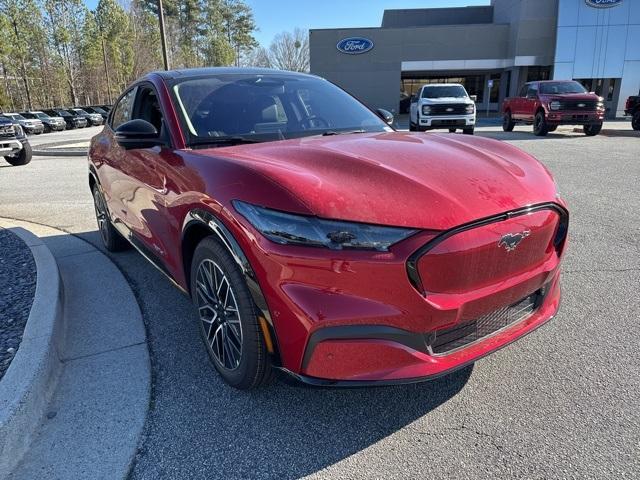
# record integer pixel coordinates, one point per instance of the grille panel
(588, 105)
(6, 132)
(447, 340)
(443, 109)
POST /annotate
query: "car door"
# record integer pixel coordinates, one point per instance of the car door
(529, 103)
(151, 185)
(109, 159)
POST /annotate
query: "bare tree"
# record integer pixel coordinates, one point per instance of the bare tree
(290, 51)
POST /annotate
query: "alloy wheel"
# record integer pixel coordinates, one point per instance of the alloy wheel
(219, 314)
(101, 215)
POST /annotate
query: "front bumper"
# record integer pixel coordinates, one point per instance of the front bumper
(9, 147)
(356, 318)
(575, 117)
(37, 129)
(447, 121)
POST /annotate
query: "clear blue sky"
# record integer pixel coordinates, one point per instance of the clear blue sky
(274, 16)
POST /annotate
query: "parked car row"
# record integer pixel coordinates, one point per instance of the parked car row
(58, 119)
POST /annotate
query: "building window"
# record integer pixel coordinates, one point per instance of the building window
(538, 73)
(494, 94)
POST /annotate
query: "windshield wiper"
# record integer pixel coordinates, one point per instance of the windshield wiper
(345, 132)
(222, 141)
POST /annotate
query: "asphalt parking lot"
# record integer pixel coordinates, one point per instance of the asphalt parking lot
(560, 403)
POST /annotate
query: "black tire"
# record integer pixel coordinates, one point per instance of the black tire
(111, 238)
(452, 130)
(468, 131)
(635, 120)
(551, 128)
(592, 130)
(253, 368)
(412, 126)
(22, 157)
(540, 127)
(507, 122)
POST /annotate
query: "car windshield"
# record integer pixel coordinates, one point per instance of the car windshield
(80, 111)
(254, 107)
(442, 91)
(42, 116)
(98, 110)
(561, 87)
(62, 113)
(16, 116)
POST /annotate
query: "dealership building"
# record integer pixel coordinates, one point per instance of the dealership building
(492, 50)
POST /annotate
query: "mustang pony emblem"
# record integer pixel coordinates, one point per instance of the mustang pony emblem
(511, 240)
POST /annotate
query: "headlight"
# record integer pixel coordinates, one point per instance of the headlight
(18, 130)
(555, 105)
(471, 108)
(290, 229)
(600, 106)
(426, 109)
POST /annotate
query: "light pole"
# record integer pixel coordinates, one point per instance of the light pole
(163, 38)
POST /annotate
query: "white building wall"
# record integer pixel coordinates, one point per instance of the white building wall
(599, 43)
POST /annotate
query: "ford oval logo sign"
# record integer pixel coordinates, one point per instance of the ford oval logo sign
(603, 3)
(355, 45)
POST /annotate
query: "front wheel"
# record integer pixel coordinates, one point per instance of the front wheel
(540, 128)
(592, 130)
(507, 122)
(227, 318)
(452, 130)
(635, 121)
(468, 131)
(22, 157)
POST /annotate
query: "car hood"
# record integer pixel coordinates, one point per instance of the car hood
(435, 101)
(591, 97)
(430, 181)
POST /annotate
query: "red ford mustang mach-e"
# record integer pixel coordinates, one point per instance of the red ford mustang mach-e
(315, 239)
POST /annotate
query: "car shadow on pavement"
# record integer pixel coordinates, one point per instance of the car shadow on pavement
(523, 135)
(198, 427)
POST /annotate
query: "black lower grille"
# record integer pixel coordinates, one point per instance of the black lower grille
(447, 340)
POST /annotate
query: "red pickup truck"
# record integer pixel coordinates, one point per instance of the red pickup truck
(547, 104)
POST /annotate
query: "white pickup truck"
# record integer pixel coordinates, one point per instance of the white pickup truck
(442, 105)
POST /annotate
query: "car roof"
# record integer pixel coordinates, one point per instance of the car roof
(212, 71)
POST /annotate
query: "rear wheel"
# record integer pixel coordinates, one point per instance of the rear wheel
(452, 130)
(540, 128)
(507, 122)
(22, 157)
(592, 130)
(227, 318)
(468, 131)
(552, 128)
(111, 238)
(635, 120)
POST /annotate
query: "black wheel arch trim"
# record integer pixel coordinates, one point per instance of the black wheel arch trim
(412, 261)
(212, 223)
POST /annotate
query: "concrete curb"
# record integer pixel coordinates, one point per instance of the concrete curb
(27, 387)
(59, 153)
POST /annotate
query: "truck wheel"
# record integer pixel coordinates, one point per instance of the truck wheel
(635, 121)
(540, 127)
(452, 130)
(592, 130)
(21, 158)
(507, 122)
(412, 126)
(468, 131)
(552, 128)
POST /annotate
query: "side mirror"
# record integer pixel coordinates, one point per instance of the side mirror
(385, 115)
(137, 133)
(474, 97)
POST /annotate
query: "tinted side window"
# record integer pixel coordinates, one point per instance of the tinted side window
(122, 111)
(533, 90)
(523, 90)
